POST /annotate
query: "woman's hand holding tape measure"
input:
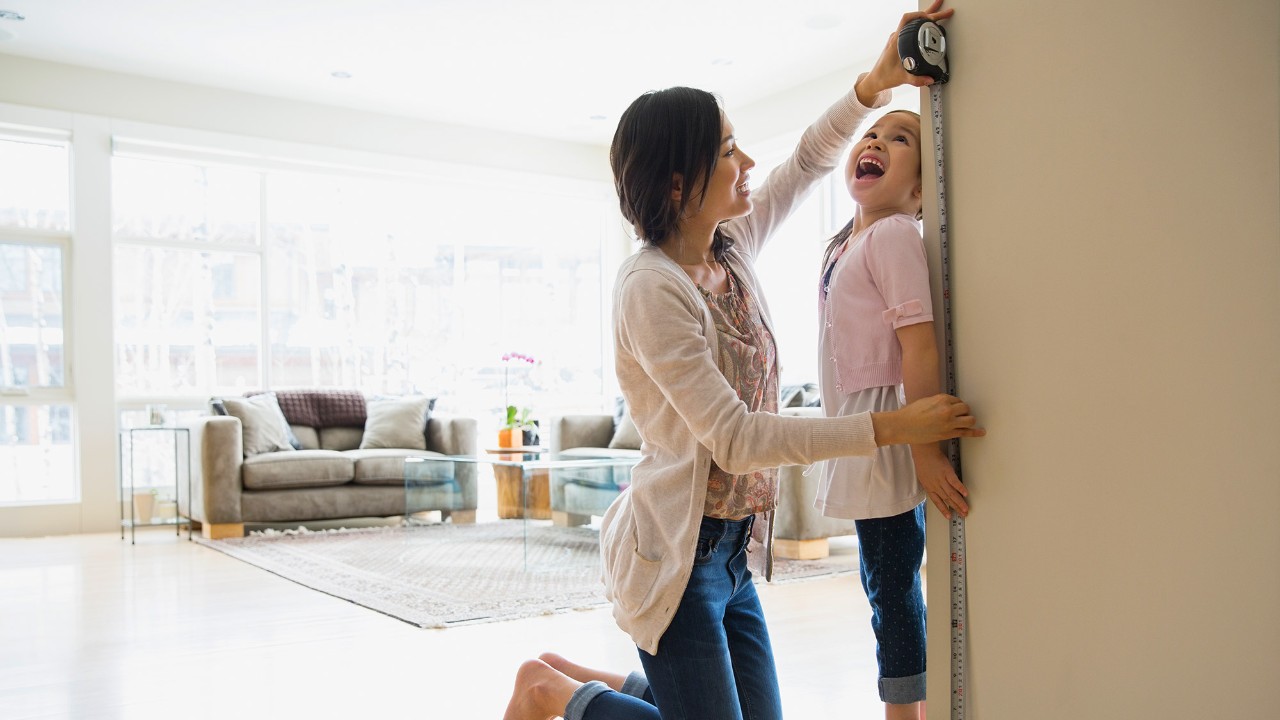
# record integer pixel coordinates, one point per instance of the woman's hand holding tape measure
(888, 71)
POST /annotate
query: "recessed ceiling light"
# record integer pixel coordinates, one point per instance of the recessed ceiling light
(598, 118)
(722, 62)
(340, 74)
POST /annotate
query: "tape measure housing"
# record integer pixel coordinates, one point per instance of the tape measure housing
(922, 45)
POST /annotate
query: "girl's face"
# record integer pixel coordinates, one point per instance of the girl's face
(728, 193)
(883, 174)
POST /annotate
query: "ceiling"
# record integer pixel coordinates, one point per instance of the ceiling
(562, 69)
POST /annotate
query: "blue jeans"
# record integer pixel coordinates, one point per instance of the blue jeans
(714, 660)
(891, 550)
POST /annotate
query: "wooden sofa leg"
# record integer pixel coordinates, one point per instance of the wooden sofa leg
(559, 518)
(459, 517)
(815, 549)
(221, 531)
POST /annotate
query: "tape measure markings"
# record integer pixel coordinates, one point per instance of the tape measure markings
(922, 47)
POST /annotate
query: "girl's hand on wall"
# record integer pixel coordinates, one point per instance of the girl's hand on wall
(888, 72)
(939, 480)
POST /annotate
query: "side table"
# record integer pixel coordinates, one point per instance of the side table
(181, 444)
(510, 479)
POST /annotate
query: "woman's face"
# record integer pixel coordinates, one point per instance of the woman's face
(883, 173)
(728, 193)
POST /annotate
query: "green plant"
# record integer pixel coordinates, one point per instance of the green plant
(518, 418)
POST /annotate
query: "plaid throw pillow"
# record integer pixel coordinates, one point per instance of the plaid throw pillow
(323, 408)
(340, 408)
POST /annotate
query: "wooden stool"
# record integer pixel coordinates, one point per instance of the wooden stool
(509, 479)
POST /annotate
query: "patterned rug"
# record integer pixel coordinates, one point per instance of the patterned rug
(445, 575)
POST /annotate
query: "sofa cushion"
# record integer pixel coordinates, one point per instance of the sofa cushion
(626, 436)
(616, 477)
(340, 438)
(588, 500)
(263, 426)
(382, 466)
(397, 423)
(307, 436)
(297, 469)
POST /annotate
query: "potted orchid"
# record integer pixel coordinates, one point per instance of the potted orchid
(519, 428)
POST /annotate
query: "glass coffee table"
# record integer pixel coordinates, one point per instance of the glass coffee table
(534, 486)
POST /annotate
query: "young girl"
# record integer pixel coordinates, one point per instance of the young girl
(878, 353)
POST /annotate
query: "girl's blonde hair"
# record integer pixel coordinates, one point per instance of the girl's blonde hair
(847, 230)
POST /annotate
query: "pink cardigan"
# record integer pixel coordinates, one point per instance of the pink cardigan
(880, 283)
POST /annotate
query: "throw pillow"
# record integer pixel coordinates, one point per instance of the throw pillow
(797, 395)
(218, 408)
(619, 410)
(626, 436)
(340, 408)
(397, 423)
(262, 423)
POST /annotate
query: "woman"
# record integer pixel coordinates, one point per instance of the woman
(695, 359)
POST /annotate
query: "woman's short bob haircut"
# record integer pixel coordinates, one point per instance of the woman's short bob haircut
(662, 134)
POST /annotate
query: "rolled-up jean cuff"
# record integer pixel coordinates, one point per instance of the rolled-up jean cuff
(901, 690)
(576, 708)
(635, 685)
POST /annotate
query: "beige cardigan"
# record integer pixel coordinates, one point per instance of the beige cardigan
(684, 408)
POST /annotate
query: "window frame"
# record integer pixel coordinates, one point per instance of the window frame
(64, 394)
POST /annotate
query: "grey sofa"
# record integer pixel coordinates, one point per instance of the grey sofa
(800, 531)
(578, 494)
(328, 476)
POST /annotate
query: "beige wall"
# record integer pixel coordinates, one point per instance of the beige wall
(1116, 255)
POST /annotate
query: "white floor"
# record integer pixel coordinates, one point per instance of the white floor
(93, 627)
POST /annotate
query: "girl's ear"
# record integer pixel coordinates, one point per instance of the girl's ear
(677, 187)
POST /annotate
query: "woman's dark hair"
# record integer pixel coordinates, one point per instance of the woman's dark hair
(662, 133)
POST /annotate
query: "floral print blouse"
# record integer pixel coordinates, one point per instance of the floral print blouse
(748, 359)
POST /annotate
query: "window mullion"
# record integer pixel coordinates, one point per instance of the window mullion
(264, 356)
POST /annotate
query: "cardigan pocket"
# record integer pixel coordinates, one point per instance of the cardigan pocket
(634, 577)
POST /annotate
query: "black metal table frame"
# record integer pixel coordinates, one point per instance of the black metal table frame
(179, 519)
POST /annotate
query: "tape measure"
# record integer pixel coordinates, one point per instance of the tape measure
(922, 45)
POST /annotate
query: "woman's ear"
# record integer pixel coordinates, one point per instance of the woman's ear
(677, 187)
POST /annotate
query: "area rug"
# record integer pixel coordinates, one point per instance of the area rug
(446, 575)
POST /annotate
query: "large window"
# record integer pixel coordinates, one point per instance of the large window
(36, 409)
(188, 276)
(235, 279)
